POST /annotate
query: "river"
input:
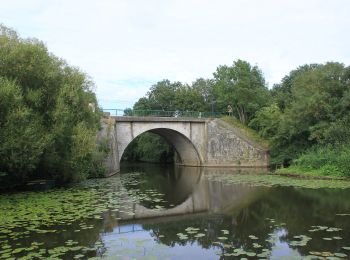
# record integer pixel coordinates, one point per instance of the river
(167, 212)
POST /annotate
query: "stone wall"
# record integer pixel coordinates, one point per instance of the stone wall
(228, 146)
(198, 142)
(108, 134)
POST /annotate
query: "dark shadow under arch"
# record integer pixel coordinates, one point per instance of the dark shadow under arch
(186, 152)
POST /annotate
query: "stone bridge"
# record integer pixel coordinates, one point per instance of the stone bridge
(197, 142)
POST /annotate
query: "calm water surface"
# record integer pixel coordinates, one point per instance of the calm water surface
(155, 212)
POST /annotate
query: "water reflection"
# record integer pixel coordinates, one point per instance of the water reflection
(187, 191)
(232, 221)
(179, 213)
(175, 183)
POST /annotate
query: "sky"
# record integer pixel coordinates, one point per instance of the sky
(128, 45)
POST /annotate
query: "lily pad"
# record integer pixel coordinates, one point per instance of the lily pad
(337, 238)
(340, 255)
(226, 232)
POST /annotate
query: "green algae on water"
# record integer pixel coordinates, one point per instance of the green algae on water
(270, 180)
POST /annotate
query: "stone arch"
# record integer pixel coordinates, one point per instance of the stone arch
(185, 149)
(198, 142)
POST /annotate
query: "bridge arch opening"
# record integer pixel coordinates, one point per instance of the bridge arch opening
(176, 183)
(148, 148)
(185, 153)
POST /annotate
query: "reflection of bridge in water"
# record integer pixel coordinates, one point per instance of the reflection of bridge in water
(202, 195)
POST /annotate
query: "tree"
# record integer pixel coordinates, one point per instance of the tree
(311, 108)
(149, 147)
(242, 87)
(162, 95)
(170, 96)
(47, 128)
(22, 137)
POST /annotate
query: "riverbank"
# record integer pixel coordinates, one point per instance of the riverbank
(309, 173)
(329, 161)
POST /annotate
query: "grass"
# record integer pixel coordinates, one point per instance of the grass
(307, 172)
(271, 180)
(246, 130)
(327, 160)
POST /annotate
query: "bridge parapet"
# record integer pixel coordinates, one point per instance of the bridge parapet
(161, 113)
(158, 119)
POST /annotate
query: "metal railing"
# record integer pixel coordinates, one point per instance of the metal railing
(162, 113)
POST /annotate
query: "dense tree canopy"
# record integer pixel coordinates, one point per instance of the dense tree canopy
(47, 128)
(149, 147)
(171, 96)
(311, 107)
(242, 87)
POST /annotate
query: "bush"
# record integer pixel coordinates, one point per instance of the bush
(47, 128)
(329, 160)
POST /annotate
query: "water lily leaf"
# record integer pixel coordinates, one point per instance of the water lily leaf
(332, 229)
(256, 245)
(18, 250)
(251, 254)
(226, 232)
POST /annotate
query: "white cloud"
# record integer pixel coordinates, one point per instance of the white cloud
(119, 43)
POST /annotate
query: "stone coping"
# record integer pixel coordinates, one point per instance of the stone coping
(158, 119)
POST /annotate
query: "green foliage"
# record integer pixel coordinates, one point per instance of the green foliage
(266, 121)
(271, 180)
(21, 136)
(128, 112)
(311, 107)
(104, 146)
(326, 160)
(47, 128)
(171, 96)
(149, 147)
(242, 87)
